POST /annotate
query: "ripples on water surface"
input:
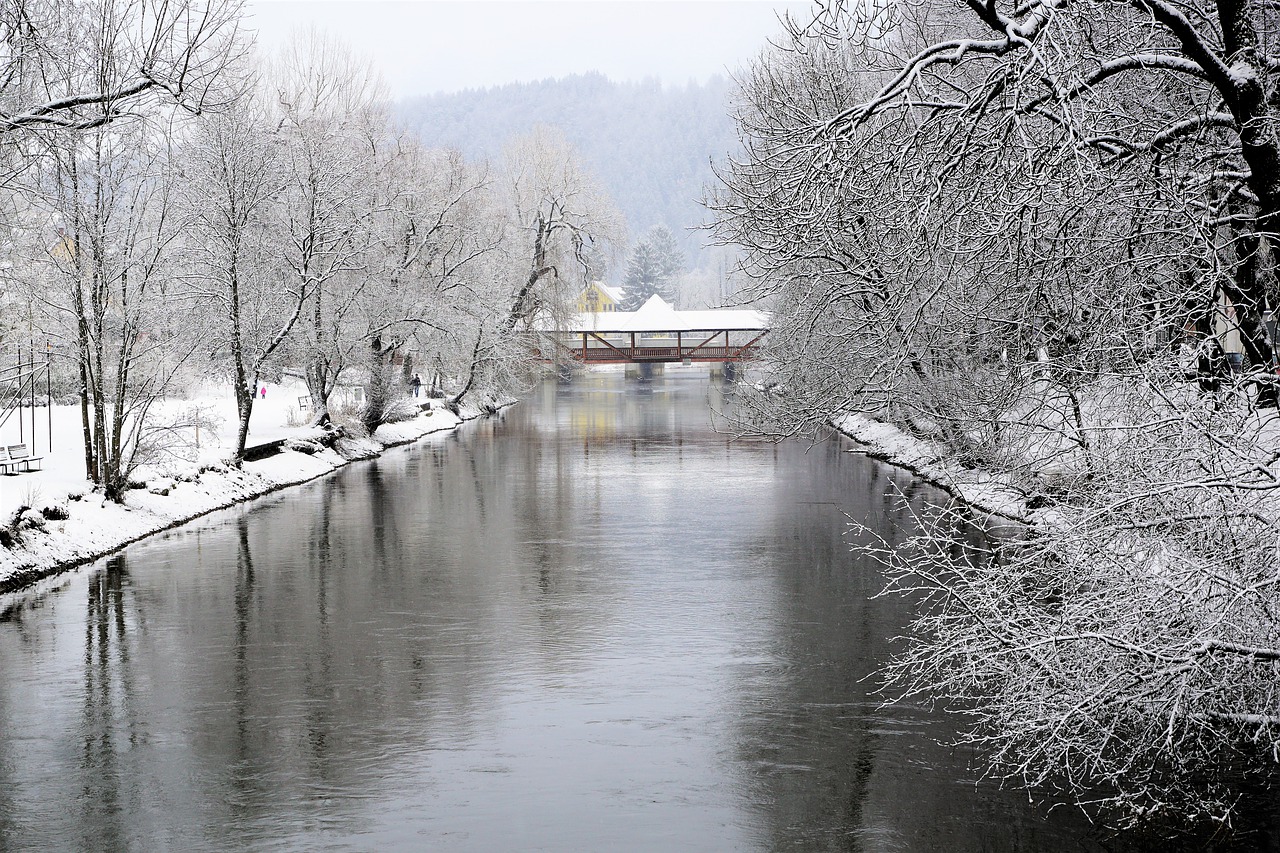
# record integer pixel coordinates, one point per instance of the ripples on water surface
(590, 624)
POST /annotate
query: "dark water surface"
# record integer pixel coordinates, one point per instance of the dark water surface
(590, 624)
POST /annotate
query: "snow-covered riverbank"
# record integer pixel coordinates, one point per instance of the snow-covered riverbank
(979, 489)
(67, 525)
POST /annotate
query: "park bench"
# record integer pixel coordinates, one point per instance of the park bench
(17, 457)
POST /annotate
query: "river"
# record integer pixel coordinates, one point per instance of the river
(591, 623)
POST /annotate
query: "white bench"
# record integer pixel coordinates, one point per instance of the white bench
(18, 458)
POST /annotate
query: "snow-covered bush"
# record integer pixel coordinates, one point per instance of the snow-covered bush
(31, 519)
(398, 410)
(55, 512)
(1126, 647)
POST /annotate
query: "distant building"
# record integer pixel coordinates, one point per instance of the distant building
(63, 251)
(599, 297)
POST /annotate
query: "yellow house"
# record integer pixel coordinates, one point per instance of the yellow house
(64, 251)
(599, 297)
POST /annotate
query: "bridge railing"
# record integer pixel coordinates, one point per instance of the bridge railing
(659, 347)
(664, 354)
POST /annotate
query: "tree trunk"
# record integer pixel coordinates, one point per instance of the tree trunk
(456, 400)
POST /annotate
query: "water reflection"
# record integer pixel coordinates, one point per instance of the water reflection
(591, 623)
(110, 725)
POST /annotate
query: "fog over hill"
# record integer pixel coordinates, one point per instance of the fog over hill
(650, 145)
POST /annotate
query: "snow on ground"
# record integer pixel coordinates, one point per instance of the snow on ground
(63, 471)
(190, 483)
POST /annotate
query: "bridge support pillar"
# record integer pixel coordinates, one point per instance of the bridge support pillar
(726, 370)
(645, 371)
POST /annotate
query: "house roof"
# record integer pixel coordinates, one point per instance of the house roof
(614, 293)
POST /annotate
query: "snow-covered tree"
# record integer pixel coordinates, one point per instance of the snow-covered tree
(558, 229)
(437, 230)
(70, 69)
(334, 139)
(989, 225)
(114, 256)
(80, 64)
(652, 268)
(232, 167)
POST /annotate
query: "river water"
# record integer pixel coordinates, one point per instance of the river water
(591, 623)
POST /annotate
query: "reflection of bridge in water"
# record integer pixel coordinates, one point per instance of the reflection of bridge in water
(658, 334)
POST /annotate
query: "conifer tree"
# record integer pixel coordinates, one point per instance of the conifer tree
(653, 266)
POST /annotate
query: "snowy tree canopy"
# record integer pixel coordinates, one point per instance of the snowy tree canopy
(652, 267)
(995, 226)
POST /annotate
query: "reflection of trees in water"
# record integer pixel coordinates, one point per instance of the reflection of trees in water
(21, 618)
(108, 723)
(503, 510)
(477, 490)
(550, 506)
(810, 741)
(245, 776)
(10, 780)
(530, 482)
(831, 769)
(343, 549)
(318, 665)
(312, 688)
(383, 515)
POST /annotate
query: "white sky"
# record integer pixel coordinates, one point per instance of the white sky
(428, 46)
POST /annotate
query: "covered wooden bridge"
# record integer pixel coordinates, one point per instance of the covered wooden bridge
(659, 334)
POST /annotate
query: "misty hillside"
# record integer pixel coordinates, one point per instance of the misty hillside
(650, 145)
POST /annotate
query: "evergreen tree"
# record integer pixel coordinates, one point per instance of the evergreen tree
(652, 267)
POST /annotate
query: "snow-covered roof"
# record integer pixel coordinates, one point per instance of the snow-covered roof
(657, 315)
(614, 293)
(655, 304)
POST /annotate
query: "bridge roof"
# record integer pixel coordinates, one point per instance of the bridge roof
(656, 315)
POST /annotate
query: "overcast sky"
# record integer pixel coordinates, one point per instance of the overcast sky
(428, 46)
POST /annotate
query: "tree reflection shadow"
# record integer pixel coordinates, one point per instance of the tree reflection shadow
(108, 724)
(245, 779)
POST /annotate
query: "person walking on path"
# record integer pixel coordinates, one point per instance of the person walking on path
(416, 383)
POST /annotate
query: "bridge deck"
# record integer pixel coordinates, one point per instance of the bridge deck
(677, 346)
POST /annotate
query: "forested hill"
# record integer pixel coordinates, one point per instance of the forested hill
(650, 145)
